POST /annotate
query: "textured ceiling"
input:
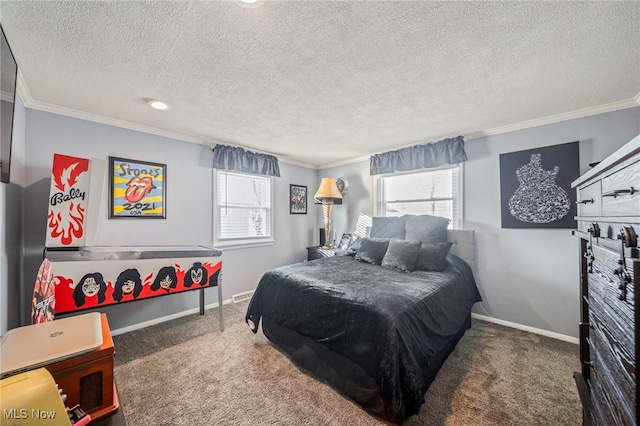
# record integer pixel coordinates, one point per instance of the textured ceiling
(321, 82)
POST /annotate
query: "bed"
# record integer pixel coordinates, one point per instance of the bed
(375, 333)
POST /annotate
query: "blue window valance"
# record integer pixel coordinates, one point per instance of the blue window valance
(446, 151)
(239, 160)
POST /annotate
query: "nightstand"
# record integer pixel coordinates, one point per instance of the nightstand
(317, 252)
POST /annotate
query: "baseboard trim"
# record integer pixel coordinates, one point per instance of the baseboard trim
(534, 330)
(509, 324)
(166, 318)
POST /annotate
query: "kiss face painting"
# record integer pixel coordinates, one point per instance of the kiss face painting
(143, 279)
(197, 274)
(90, 286)
(166, 279)
(128, 285)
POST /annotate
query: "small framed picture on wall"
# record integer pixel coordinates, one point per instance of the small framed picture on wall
(297, 199)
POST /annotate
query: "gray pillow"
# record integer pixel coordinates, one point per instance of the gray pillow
(388, 227)
(426, 229)
(353, 247)
(372, 250)
(401, 255)
(432, 257)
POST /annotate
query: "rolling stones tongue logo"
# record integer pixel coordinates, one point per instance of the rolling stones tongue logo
(138, 188)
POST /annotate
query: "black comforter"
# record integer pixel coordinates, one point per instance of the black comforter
(391, 323)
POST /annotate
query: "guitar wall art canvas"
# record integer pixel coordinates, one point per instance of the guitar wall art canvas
(137, 189)
(535, 187)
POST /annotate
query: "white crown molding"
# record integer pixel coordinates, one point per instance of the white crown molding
(297, 163)
(346, 162)
(23, 91)
(20, 87)
(74, 113)
(29, 102)
(581, 113)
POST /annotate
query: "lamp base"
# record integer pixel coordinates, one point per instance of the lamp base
(328, 246)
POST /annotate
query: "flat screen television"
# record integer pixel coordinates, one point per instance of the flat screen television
(8, 77)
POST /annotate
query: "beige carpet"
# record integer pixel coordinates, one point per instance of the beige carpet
(185, 372)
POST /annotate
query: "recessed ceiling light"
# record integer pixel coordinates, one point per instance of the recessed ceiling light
(249, 3)
(156, 104)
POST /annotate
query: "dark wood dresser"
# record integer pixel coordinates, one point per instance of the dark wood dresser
(608, 223)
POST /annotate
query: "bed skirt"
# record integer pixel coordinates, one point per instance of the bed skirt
(342, 374)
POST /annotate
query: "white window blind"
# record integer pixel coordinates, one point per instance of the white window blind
(242, 207)
(435, 192)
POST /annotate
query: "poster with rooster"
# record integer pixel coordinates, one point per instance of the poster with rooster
(68, 201)
(137, 188)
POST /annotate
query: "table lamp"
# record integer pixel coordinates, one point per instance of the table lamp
(327, 195)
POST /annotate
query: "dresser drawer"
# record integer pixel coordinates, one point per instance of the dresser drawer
(615, 369)
(603, 292)
(610, 326)
(589, 200)
(621, 192)
(606, 400)
(605, 264)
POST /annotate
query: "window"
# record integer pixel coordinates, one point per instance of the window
(242, 208)
(436, 192)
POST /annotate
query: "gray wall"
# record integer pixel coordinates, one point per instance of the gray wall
(528, 277)
(11, 196)
(189, 208)
(359, 198)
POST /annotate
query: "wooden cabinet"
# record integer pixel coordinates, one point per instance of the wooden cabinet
(88, 379)
(608, 224)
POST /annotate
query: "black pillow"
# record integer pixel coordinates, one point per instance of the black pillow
(353, 247)
(372, 250)
(388, 227)
(401, 254)
(432, 257)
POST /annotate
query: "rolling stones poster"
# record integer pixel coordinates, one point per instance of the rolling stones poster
(136, 189)
(535, 187)
(89, 284)
(68, 201)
